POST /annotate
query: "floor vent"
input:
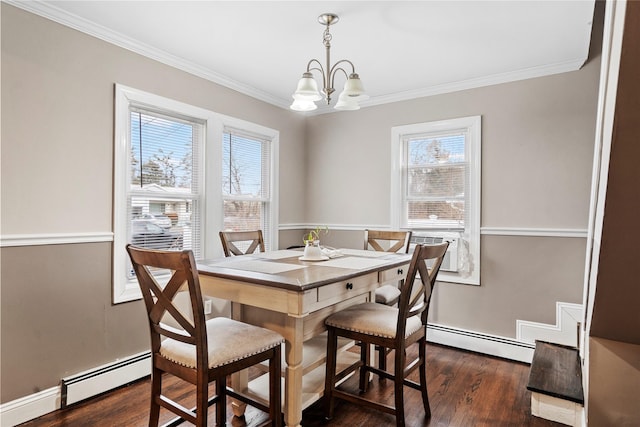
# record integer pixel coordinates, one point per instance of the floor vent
(104, 378)
(555, 382)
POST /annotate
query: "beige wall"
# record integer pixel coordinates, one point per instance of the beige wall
(57, 161)
(537, 153)
(537, 150)
(57, 147)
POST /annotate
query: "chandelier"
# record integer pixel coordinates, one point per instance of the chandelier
(307, 93)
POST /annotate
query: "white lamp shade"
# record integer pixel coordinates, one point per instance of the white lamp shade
(345, 102)
(303, 105)
(307, 89)
(353, 88)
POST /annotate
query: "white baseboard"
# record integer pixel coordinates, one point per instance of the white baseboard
(29, 407)
(493, 345)
(565, 330)
(76, 388)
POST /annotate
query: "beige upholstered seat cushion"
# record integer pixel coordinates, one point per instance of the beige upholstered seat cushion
(372, 319)
(228, 341)
(387, 294)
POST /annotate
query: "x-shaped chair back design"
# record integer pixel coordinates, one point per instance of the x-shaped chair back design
(387, 241)
(229, 239)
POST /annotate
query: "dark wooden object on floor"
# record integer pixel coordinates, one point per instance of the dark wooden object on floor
(252, 238)
(466, 389)
(556, 371)
(199, 351)
(388, 327)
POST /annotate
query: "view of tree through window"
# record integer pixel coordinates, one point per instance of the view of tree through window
(161, 151)
(436, 179)
(163, 185)
(245, 181)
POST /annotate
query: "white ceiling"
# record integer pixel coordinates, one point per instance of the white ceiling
(401, 49)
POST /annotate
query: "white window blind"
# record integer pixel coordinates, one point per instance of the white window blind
(164, 193)
(435, 181)
(246, 160)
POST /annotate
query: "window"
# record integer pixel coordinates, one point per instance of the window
(171, 160)
(165, 189)
(246, 182)
(436, 190)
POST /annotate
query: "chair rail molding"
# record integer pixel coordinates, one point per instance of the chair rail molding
(39, 239)
(534, 232)
(11, 240)
(488, 231)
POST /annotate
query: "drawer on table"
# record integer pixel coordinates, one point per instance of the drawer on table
(347, 288)
(394, 274)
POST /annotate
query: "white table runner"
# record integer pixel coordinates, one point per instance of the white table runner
(353, 262)
(279, 254)
(262, 266)
(364, 253)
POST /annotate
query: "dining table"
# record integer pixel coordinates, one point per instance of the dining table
(283, 291)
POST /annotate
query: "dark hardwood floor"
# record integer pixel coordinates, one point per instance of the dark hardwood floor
(465, 389)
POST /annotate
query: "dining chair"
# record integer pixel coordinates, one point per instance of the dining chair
(389, 327)
(197, 350)
(251, 239)
(387, 241)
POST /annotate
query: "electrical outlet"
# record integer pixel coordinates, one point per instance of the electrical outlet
(207, 306)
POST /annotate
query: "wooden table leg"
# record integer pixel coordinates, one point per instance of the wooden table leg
(293, 372)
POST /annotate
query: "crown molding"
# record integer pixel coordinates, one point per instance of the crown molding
(527, 73)
(53, 13)
(48, 11)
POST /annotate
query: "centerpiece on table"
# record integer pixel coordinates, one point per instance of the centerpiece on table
(312, 250)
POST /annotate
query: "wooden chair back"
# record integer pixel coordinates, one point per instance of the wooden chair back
(387, 241)
(253, 239)
(415, 293)
(159, 299)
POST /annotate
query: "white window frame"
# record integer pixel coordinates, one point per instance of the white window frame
(473, 149)
(211, 206)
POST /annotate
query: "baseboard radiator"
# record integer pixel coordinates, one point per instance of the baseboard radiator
(493, 345)
(104, 378)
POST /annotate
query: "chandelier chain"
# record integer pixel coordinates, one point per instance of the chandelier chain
(326, 37)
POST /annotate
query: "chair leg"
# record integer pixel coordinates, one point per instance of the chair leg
(423, 376)
(332, 349)
(275, 404)
(221, 405)
(365, 358)
(382, 359)
(156, 390)
(399, 386)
